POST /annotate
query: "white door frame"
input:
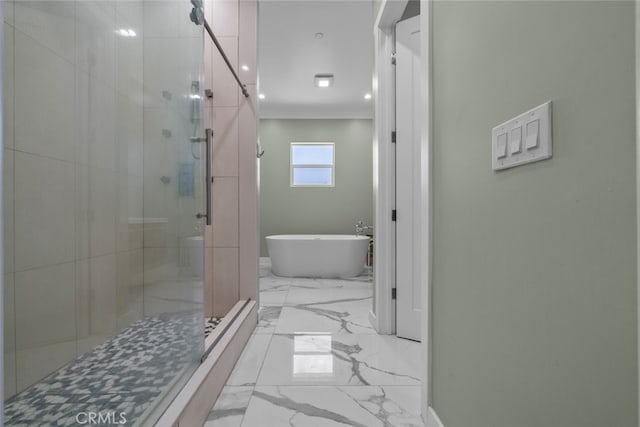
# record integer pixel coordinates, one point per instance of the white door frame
(383, 317)
(409, 225)
(426, 150)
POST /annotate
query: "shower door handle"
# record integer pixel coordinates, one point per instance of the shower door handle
(207, 177)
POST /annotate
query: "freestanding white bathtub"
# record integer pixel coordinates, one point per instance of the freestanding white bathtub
(317, 255)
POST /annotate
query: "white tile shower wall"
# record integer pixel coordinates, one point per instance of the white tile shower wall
(45, 307)
(225, 141)
(223, 17)
(7, 176)
(35, 68)
(73, 174)
(36, 363)
(224, 193)
(230, 246)
(83, 329)
(7, 85)
(225, 88)
(79, 155)
(130, 135)
(9, 8)
(44, 217)
(249, 242)
(248, 41)
(102, 209)
(122, 214)
(49, 23)
(159, 19)
(129, 56)
(96, 39)
(167, 134)
(96, 122)
(102, 295)
(9, 335)
(225, 279)
(9, 367)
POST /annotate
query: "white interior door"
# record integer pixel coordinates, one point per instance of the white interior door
(408, 191)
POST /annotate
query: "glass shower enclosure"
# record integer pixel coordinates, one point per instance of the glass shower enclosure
(103, 199)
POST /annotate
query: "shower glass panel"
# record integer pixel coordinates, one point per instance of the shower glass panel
(103, 184)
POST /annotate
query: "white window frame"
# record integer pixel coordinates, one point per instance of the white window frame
(332, 165)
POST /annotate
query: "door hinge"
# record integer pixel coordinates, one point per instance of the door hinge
(393, 215)
(393, 136)
(393, 60)
(393, 293)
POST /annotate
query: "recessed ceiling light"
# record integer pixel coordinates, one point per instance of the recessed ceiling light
(323, 80)
(245, 68)
(319, 35)
(367, 96)
(261, 96)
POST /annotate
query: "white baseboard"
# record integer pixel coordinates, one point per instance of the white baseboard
(432, 418)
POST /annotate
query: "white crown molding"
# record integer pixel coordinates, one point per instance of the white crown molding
(284, 114)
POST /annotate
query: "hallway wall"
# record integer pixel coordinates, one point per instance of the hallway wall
(534, 277)
(287, 210)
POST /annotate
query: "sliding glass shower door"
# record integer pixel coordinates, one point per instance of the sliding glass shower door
(103, 187)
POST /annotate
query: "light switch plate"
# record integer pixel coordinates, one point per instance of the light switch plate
(535, 138)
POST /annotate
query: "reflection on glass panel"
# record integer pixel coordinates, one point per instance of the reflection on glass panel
(311, 154)
(312, 176)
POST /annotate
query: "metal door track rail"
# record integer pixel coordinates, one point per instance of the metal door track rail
(197, 17)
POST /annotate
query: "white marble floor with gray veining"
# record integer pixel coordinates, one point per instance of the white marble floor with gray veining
(315, 361)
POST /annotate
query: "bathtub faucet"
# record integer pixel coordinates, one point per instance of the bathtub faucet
(361, 228)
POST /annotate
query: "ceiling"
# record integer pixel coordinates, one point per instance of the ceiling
(290, 54)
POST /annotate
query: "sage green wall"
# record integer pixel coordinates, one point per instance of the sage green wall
(287, 210)
(534, 270)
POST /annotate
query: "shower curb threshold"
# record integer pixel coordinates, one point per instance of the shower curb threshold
(193, 403)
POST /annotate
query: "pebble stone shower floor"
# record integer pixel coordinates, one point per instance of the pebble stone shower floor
(125, 374)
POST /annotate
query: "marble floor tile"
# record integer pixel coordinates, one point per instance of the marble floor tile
(309, 296)
(230, 407)
(268, 316)
(275, 283)
(264, 267)
(370, 406)
(314, 360)
(363, 282)
(339, 316)
(273, 298)
(340, 359)
(246, 371)
(273, 290)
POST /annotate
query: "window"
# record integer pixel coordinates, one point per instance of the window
(312, 164)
